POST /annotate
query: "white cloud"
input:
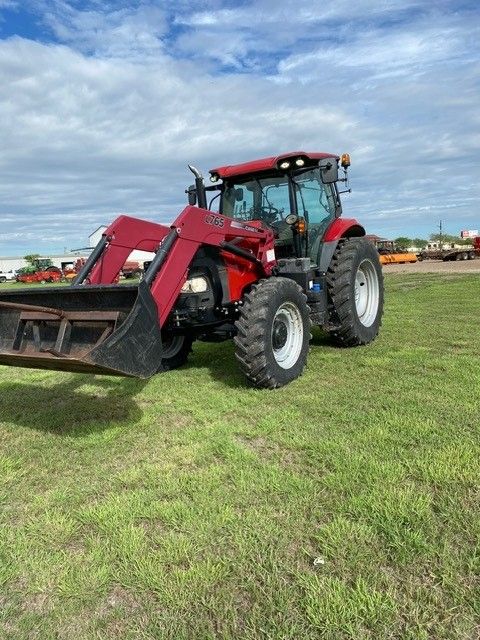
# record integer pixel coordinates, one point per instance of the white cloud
(107, 121)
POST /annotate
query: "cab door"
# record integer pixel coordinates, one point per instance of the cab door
(316, 202)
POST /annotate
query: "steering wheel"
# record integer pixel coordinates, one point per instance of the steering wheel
(269, 214)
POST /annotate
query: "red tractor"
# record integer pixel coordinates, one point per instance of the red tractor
(275, 259)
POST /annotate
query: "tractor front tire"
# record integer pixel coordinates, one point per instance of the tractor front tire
(176, 349)
(355, 289)
(273, 333)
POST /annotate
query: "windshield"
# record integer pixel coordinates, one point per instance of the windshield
(265, 199)
(269, 199)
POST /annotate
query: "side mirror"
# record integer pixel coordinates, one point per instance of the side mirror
(192, 195)
(328, 170)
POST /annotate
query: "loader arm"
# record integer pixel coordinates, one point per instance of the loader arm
(193, 228)
(95, 326)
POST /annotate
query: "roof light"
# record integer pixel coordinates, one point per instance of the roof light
(285, 164)
(214, 177)
(345, 160)
(299, 162)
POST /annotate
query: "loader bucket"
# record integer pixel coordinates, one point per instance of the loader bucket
(104, 329)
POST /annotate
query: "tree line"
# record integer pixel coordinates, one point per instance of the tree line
(403, 242)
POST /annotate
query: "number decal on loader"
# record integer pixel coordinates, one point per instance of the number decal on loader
(216, 221)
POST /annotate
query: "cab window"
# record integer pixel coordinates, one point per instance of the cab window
(265, 199)
(316, 203)
(315, 200)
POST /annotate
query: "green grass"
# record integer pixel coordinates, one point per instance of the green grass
(192, 506)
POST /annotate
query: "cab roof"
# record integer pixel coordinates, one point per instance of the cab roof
(264, 164)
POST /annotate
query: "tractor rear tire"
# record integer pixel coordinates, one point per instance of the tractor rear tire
(273, 333)
(355, 288)
(176, 349)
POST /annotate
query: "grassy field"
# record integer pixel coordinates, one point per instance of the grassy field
(345, 505)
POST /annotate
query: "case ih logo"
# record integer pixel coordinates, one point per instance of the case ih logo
(240, 225)
(216, 221)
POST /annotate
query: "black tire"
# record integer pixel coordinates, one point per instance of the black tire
(2, 280)
(273, 333)
(351, 325)
(176, 349)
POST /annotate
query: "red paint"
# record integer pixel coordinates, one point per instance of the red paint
(40, 276)
(343, 227)
(195, 227)
(126, 235)
(264, 164)
(241, 274)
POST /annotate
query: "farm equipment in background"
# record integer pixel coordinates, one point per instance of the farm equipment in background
(70, 273)
(41, 271)
(391, 254)
(476, 245)
(435, 252)
(274, 260)
(131, 269)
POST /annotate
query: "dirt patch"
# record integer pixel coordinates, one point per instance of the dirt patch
(434, 266)
(268, 449)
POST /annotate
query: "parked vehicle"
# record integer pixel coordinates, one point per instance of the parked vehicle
(70, 273)
(447, 254)
(391, 254)
(50, 275)
(7, 276)
(132, 269)
(42, 271)
(276, 259)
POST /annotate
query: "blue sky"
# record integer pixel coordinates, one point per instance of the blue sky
(104, 103)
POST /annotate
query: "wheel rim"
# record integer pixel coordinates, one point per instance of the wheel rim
(287, 335)
(172, 346)
(366, 293)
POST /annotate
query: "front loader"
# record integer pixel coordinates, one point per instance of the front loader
(273, 259)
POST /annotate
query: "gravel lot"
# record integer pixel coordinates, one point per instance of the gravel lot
(435, 266)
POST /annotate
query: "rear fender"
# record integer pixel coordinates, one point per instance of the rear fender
(340, 228)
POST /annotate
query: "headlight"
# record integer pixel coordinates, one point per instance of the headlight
(285, 164)
(299, 162)
(214, 177)
(195, 285)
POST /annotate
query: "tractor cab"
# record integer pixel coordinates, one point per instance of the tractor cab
(295, 194)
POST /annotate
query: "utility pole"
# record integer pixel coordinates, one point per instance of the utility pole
(440, 229)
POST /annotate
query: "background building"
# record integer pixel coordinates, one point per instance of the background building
(68, 259)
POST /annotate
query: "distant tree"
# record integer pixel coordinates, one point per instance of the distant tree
(32, 258)
(449, 239)
(419, 242)
(403, 242)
